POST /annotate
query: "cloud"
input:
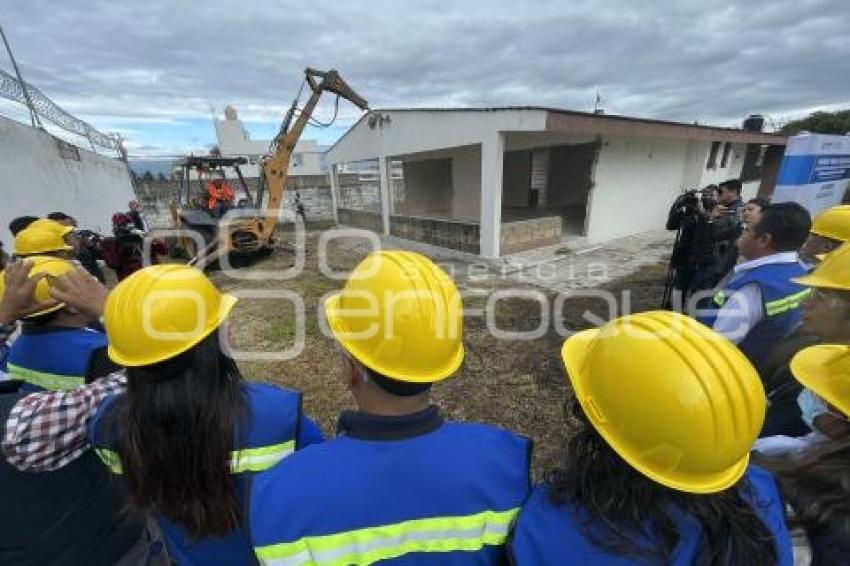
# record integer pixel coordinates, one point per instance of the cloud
(159, 62)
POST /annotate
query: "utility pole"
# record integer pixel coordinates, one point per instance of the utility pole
(36, 121)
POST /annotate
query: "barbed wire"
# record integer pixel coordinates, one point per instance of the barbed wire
(10, 88)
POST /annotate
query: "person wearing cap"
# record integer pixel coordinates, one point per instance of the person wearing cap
(658, 470)
(826, 319)
(399, 484)
(188, 432)
(830, 229)
(56, 348)
(760, 303)
(815, 482)
(44, 237)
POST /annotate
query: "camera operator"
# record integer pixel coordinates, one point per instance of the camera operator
(726, 227)
(693, 264)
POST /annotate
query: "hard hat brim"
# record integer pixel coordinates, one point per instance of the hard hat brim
(340, 332)
(49, 310)
(810, 367)
(815, 280)
(227, 303)
(574, 353)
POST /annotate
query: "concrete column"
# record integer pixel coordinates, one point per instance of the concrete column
(492, 153)
(384, 178)
(332, 172)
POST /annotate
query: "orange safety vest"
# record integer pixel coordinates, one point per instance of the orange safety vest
(225, 193)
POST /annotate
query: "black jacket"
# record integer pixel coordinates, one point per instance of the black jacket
(75, 515)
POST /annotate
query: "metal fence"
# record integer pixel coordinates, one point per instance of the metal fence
(10, 88)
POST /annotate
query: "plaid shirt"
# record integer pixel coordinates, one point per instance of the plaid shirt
(48, 430)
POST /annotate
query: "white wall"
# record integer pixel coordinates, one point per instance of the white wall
(413, 131)
(635, 183)
(720, 174)
(35, 180)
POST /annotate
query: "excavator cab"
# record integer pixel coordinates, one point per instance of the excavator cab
(192, 210)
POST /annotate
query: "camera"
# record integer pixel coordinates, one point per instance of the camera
(707, 195)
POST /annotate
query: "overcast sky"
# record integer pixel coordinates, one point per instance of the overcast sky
(153, 70)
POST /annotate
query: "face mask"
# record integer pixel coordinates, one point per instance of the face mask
(811, 407)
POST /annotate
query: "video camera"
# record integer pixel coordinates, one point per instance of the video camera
(707, 195)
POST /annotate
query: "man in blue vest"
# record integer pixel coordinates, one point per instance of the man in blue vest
(399, 484)
(56, 349)
(760, 304)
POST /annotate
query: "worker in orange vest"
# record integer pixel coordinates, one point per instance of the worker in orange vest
(221, 197)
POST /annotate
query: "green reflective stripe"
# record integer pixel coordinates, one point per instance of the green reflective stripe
(51, 381)
(365, 546)
(784, 304)
(110, 459)
(720, 298)
(245, 460)
(262, 458)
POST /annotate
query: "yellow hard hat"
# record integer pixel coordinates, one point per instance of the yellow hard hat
(832, 273)
(825, 369)
(833, 223)
(162, 311)
(52, 266)
(400, 315)
(42, 236)
(676, 400)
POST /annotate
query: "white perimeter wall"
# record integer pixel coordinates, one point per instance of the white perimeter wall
(35, 180)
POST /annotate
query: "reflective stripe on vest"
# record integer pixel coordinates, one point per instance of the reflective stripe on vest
(50, 381)
(365, 546)
(244, 460)
(785, 304)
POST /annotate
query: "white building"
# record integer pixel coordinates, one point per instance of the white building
(234, 141)
(494, 181)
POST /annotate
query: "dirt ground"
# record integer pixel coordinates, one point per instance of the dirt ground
(518, 384)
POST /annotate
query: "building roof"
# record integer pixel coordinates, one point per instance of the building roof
(573, 121)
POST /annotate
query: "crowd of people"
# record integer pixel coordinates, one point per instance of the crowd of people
(131, 436)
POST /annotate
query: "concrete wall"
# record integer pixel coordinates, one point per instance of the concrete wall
(416, 131)
(570, 174)
(315, 194)
(36, 179)
(635, 183)
(427, 188)
(719, 174)
(466, 180)
(516, 178)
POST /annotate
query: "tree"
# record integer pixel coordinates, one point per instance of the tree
(147, 177)
(820, 123)
(161, 177)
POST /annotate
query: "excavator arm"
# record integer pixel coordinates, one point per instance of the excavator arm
(276, 165)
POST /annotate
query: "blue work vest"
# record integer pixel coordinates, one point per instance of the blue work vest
(448, 496)
(781, 299)
(550, 534)
(275, 415)
(54, 360)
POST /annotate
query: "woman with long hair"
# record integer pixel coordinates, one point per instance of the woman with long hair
(189, 429)
(816, 482)
(658, 470)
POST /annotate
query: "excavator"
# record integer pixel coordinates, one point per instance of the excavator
(253, 234)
